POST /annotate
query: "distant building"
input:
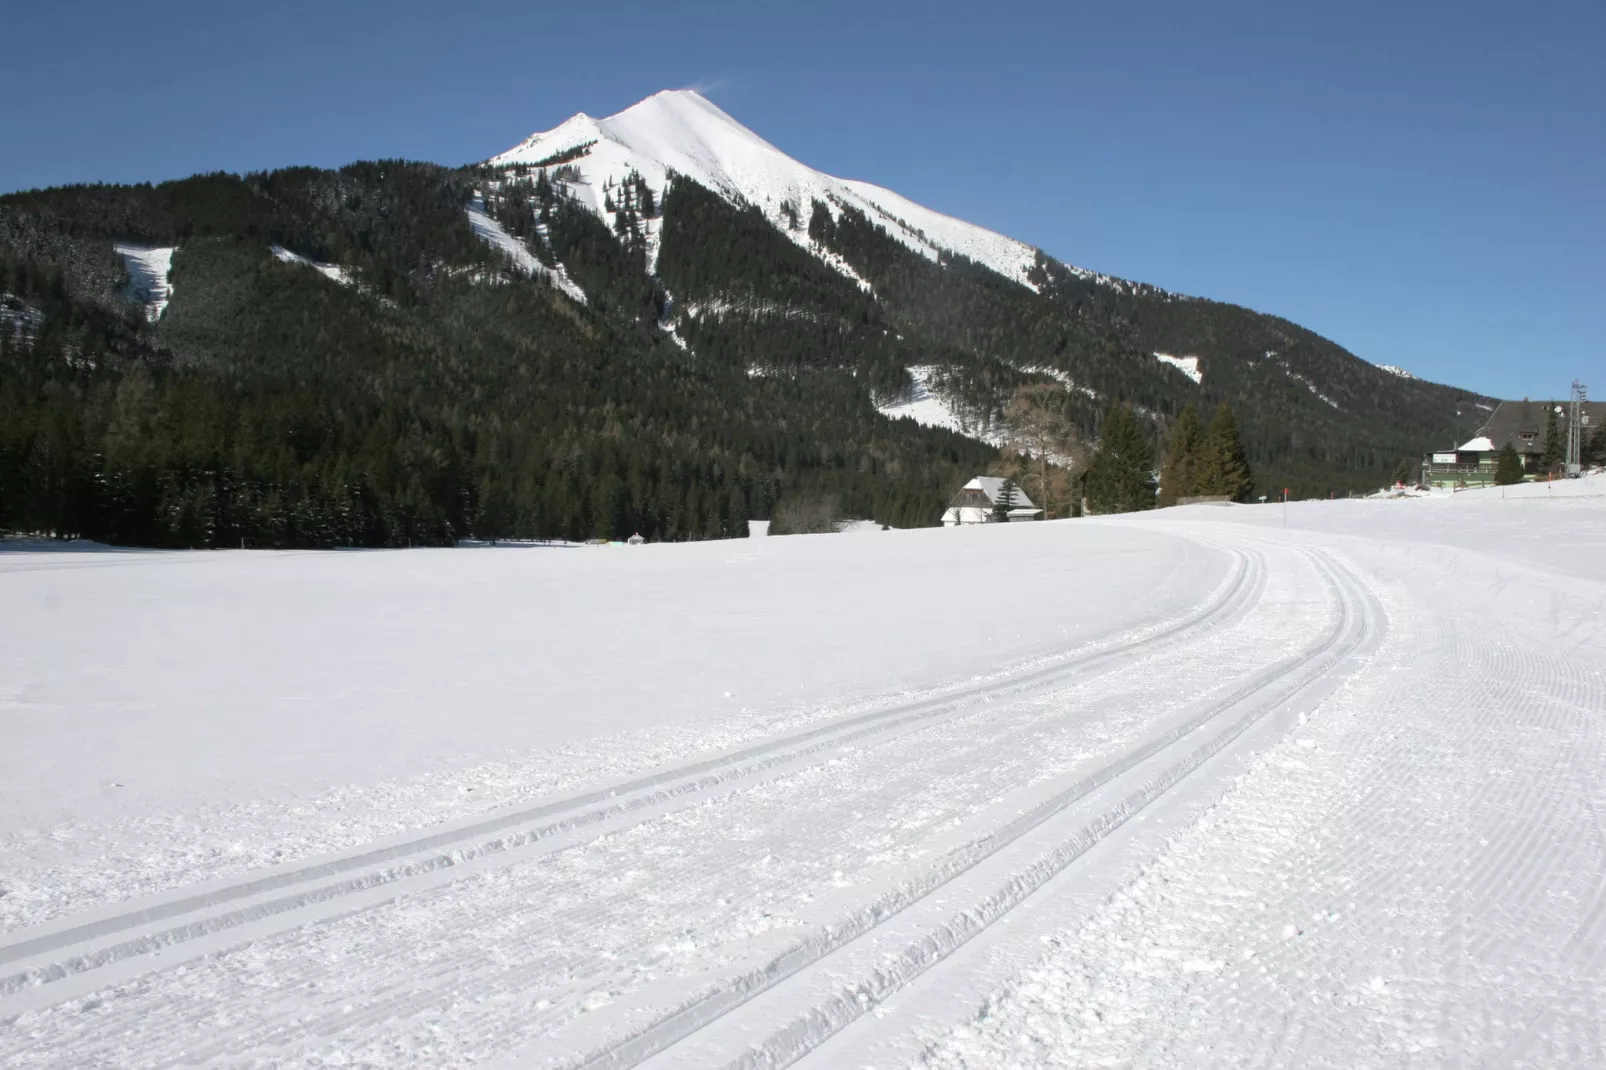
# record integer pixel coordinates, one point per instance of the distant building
(636, 539)
(1522, 424)
(976, 500)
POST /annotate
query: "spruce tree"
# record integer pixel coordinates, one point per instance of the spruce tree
(1121, 478)
(1509, 468)
(1223, 469)
(1178, 475)
(1595, 455)
(1005, 502)
(1555, 449)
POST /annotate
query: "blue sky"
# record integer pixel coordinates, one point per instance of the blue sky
(1422, 183)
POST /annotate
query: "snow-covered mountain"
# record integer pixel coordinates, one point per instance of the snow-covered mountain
(680, 131)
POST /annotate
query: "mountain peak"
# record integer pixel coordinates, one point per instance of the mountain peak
(680, 131)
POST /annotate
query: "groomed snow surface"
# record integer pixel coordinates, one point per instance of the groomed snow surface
(1205, 787)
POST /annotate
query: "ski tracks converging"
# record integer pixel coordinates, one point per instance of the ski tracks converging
(1416, 877)
(740, 910)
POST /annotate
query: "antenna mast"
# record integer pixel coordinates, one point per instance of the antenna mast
(1575, 431)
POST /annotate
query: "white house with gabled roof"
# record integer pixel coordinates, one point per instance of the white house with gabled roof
(976, 501)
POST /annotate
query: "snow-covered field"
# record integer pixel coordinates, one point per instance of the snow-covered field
(1207, 787)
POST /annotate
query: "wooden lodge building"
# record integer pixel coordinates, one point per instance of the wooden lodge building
(1522, 424)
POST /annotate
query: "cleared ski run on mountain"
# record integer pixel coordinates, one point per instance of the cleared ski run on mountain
(1202, 787)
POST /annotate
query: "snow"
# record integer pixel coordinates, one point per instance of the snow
(1481, 444)
(150, 270)
(1188, 366)
(932, 410)
(681, 131)
(993, 487)
(1062, 377)
(492, 233)
(1298, 378)
(1314, 786)
(1394, 369)
(332, 272)
(18, 319)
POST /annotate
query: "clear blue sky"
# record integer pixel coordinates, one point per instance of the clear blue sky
(1423, 183)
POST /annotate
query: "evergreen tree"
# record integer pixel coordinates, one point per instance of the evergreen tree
(1508, 469)
(1005, 502)
(1555, 453)
(1223, 468)
(1178, 475)
(1595, 455)
(1121, 477)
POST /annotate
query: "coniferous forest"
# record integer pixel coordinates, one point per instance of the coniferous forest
(434, 391)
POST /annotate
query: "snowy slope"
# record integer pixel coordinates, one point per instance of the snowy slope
(332, 272)
(1188, 366)
(682, 131)
(492, 233)
(930, 410)
(149, 268)
(1395, 369)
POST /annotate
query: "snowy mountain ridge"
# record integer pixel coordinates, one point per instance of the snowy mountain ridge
(680, 131)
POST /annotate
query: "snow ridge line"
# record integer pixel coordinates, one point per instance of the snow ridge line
(1233, 597)
(1350, 632)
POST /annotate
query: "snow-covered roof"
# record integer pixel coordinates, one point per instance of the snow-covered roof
(1481, 444)
(993, 488)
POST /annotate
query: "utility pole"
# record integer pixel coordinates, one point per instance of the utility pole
(1575, 431)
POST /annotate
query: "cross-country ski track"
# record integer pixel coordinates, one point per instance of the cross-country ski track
(1338, 799)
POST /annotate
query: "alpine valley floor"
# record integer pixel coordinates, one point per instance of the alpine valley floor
(1205, 787)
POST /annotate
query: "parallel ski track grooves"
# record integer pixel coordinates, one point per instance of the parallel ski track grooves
(1352, 629)
(191, 920)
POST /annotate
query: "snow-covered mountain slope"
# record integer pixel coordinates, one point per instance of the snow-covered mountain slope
(1395, 369)
(332, 272)
(1188, 366)
(681, 131)
(495, 235)
(149, 268)
(931, 410)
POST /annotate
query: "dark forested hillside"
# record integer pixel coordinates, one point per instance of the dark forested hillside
(345, 361)
(441, 397)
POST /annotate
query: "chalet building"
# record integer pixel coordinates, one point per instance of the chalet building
(976, 500)
(1522, 424)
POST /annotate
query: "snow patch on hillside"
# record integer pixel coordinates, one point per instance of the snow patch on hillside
(492, 233)
(1063, 378)
(332, 272)
(149, 270)
(931, 410)
(1188, 366)
(682, 132)
(18, 319)
(1292, 374)
(1395, 369)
